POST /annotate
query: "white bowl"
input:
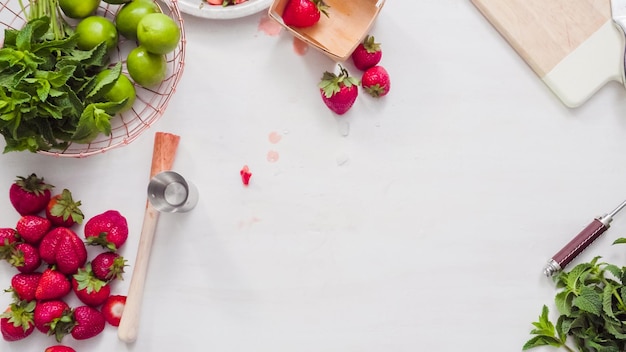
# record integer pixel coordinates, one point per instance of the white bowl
(201, 8)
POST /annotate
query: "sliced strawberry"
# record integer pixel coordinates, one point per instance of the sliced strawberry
(245, 175)
(113, 308)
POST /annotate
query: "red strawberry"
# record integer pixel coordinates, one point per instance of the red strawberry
(367, 54)
(32, 228)
(376, 81)
(8, 237)
(16, 322)
(89, 323)
(62, 210)
(88, 288)
(108, 266)
(304, 13)
(24, 286)
(113, 308)
(339, 91)
(25, 258)
(59, 348)
(62, 247)
(108, 229)
(29, 195)
(52, 285)
(51, 316)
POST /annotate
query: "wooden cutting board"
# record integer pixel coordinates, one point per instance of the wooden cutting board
(572, 45)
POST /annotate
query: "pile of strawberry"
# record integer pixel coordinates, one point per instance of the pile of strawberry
(340, 91)
(51, 261)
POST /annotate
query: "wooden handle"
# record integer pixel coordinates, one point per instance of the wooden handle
(163, 154)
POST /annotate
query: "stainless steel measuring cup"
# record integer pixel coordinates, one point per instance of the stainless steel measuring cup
(169, 192)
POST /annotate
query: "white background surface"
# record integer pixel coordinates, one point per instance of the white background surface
(424, 226)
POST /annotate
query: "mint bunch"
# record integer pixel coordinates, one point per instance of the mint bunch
(49, 94)
(591, 302)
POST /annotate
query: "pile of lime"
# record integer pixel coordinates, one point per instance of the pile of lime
(142, 21)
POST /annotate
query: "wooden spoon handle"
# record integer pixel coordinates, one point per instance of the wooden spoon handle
(163, 154)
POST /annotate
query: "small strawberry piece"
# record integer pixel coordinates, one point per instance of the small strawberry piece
(16, 323)
(25, 258)
(8, 238)
(50, 316)
(89, 323)
(245, 175)
(108, 229)
(53, 285)
(62, 210)
(62, 247)
(367, 54)
(88, 288)
(24, 286)
(113, 308)
(304, 13)
(59, 348)
(32, 228)
(108, 266)
(339, 91)
(376, 81)
(29, 195)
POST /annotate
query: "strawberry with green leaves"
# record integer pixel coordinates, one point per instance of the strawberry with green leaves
(8, 239)
(88, 288)
(50, 316)
(63, 210)
(108, 229)
(89, 322)
(53, 285)
(108, 266)
(304, 13)
(32, 228)
(367, 54)
(25, 258)
(376, 82)
(62, 247)
(113, 308)
(339, 92)
(24, 286)
(29, 195)
(16, 323)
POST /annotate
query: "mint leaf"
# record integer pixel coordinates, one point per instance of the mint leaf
(588, 301)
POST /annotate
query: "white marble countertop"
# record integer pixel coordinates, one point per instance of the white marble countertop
(419, 222)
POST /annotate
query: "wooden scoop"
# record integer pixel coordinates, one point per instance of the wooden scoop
(163, 154)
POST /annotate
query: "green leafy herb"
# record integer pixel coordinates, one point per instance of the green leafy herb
(592, 311)
(50, 92)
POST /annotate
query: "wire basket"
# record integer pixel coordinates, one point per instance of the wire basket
(150, 102)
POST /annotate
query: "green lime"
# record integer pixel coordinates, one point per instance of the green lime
(94, 30)
(122, 89)
(78, 8)
(145, 68)
(130, 14)
(158, 33)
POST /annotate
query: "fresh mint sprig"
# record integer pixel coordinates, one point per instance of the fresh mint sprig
(592, 311)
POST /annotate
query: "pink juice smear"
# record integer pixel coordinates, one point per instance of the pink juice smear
(269, 26)
(300, 47)
(272, 156)
(274, 137)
